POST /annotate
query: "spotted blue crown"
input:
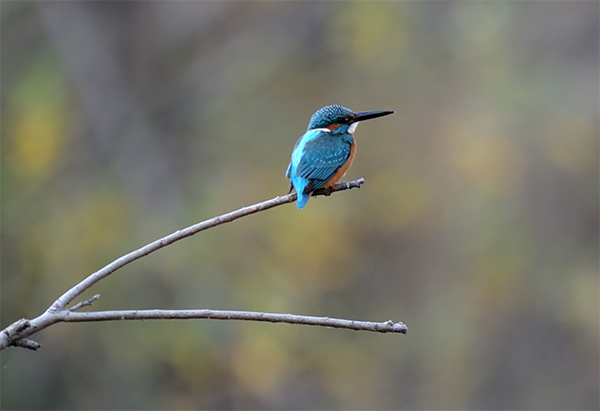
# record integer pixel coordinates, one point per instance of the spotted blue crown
(327, 115)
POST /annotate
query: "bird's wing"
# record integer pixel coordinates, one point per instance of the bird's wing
(288, 170)
(320, 158)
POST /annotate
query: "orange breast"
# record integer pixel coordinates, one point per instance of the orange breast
(340, 173)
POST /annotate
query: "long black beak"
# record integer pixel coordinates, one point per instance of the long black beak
(367, 115)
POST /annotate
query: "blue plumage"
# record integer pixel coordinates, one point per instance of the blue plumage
(315, 159)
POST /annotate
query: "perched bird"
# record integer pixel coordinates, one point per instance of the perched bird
(325, 152)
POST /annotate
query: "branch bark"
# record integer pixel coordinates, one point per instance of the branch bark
(382, 327)
(16, 334)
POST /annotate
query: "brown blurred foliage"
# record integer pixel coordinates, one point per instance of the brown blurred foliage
(477, 225)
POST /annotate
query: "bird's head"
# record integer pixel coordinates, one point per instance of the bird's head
(335, 116)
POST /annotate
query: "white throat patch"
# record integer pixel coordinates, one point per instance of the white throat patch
(352, 127)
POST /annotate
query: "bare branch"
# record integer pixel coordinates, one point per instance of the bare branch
(87, 302)
(27, 343)
(382, 327)
(11, 335)
(16, 334)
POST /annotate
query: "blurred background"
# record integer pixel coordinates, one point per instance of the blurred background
(477, 225)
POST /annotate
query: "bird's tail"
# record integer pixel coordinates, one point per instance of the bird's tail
(302, 200)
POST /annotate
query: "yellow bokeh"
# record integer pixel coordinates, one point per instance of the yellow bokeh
(38, 122)
(312, 251)
(260, 363)
(373, 33)
(37, 143)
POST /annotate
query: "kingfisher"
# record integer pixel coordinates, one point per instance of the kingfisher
(325, 152)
